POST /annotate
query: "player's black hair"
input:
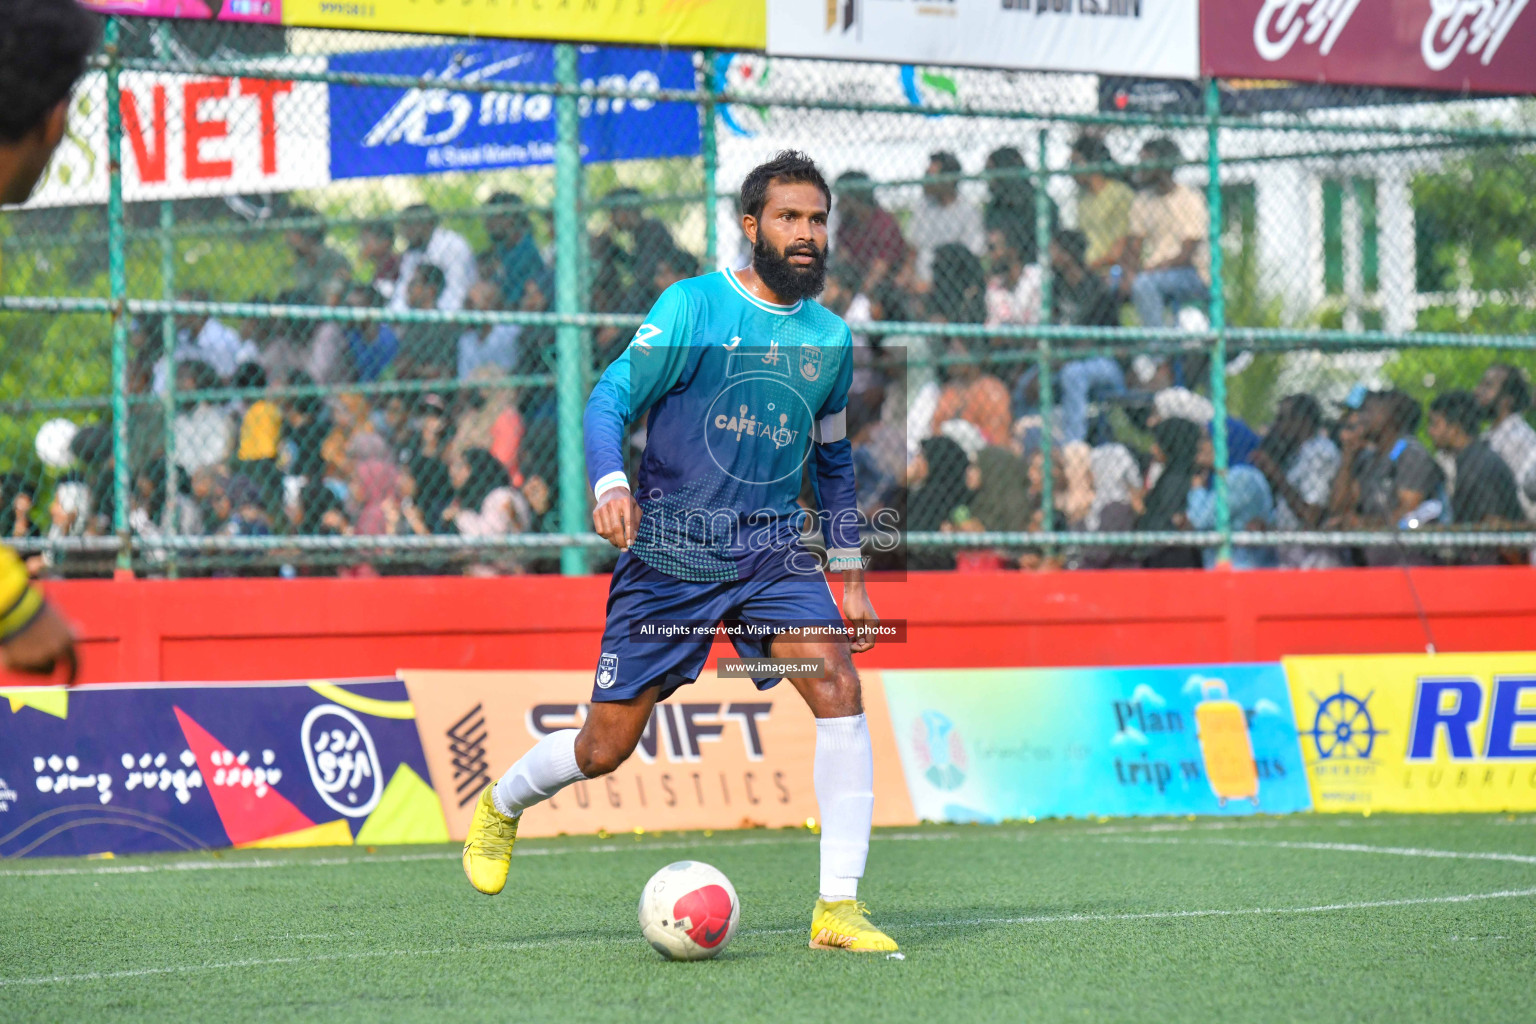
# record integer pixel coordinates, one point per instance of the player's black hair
(43, 49)
(788, 167)
(1459, 408)
(1515, 387)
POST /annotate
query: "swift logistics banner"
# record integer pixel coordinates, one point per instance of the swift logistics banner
(718, 754)
(1455, 45)
(995, 744)
(1155, 38)
(134, 769)
(1453, 732)
(378, 132)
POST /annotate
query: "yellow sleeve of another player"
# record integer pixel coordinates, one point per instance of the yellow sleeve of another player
(19, 600)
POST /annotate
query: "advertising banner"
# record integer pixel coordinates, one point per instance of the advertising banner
(268, 12)
(133, 769)
(719, 23)
(1453, 732)
(717, 754)
(1457, 45)
(989, 745)
(191, 135)
(377, 132)
(1156, 38)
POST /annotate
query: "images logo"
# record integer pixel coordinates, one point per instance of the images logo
(940, 754)
(1343, 729)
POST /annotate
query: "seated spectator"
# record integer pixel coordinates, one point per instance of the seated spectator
(638, 242)
(1182, 403)
(1176, 443)
(328, 343)
(1504, 397)
(1484, 495)
(375, 482)
(1014, 289)
(942, 217)
(315, 264)
(867, 237)
(1299, 462)
(490, 421)
(371, 345)
(1399, 485)
(209, 340)
(671, 267)
(376, 242)
(428, 242)
(487, 345)
(281, 344)
(201, 432)
(485, 504)
(1250, 507)
(1117, 489)
(1103, 207)
(1166, 255)
(260, 435)
(155, 510)
(18, 496)
(1082, 300)
(306, 425)
(514, 253)
(973, 395)
(1011, 200)
(428, 351)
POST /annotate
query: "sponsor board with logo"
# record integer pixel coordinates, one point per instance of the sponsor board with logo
(1157, 38)
(193, 135)
(717, 754)
(133, 769)
(996, 744)
(262, 11)
(1459, 45)
(377, 131)
(1454, 732)
(723, 23)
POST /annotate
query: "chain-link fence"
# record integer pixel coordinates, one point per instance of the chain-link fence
(310, 302)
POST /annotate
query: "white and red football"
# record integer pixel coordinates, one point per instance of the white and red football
(688, 911)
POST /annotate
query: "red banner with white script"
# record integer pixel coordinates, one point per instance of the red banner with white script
(1454, 45)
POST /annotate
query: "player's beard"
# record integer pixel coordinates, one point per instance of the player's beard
(786, 280)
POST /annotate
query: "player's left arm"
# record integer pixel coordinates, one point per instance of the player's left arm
(838, 501)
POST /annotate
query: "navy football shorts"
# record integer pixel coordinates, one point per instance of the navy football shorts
(681, 618)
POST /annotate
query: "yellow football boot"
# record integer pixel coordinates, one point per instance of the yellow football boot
(843, 925)
(488, 847)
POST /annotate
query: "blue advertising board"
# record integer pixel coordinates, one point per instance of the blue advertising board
(377, 131)
(1000, 744)
(132, 769)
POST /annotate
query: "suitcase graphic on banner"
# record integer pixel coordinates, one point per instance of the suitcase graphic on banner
(1225, 745)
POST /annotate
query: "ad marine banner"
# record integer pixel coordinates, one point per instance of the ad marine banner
(727, 24)
(1453, 732)
(717, 754)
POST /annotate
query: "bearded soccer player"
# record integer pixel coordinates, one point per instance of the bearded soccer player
(745, 377)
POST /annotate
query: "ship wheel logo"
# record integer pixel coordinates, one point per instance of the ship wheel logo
(1342, 728)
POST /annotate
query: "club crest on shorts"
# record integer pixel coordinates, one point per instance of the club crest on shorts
(810, 362)
(607, 671)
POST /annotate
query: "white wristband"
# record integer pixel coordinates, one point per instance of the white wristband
(608, 482)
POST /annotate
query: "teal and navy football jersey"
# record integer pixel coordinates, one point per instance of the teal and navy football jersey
(737, 391)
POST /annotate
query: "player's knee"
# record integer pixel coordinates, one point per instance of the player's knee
(600, 755)
(837, 694)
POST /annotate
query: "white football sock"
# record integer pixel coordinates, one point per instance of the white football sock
(539, 774)
(845, 790)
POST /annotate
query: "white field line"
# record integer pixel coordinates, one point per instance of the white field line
(1392, 851)
(694, 844)
(1156, 915)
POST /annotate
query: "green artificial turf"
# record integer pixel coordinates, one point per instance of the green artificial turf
(1305, 918)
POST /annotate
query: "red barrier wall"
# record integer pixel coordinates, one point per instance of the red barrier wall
(146, 630)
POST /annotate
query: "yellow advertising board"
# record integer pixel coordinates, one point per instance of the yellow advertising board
(1451, 732)
(717, 754)
(727, 24)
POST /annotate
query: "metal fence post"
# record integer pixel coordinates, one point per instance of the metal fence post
(1218, 321)
(117, 283)
(569, 240)
(711, 164)
(1047, 391)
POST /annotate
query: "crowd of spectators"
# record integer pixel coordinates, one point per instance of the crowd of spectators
(951, 429)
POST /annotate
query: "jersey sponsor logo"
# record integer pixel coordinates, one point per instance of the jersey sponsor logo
(607, 671)
(642, 338)
(810, 362)
(771, 357)
(747, 424)
(730, 346)
(1281, 24)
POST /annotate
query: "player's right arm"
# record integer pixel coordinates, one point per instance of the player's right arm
(649, 367)
(34, 638)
